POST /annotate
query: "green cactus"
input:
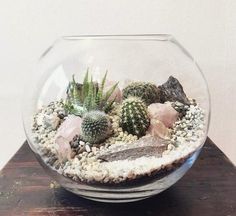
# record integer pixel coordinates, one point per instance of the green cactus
(134, 117)
(148, 92)
(95, 127)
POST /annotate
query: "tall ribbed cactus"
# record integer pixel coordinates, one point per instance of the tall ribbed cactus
(134, 117)
(95, 127)
(148, 92)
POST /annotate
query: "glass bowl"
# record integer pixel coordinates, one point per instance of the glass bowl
(149, 58)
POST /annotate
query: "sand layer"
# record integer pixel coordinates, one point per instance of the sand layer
(86, 164)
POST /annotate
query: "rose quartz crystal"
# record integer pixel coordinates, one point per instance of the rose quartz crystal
(66, 132)
(158, 129)
(164, 113)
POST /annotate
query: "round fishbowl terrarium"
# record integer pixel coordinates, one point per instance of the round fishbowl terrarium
(116, 118)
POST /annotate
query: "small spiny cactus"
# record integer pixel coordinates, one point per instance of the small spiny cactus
(95, 127)
(134, 117)
(148, 92)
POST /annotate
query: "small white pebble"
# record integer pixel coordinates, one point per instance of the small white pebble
(94, 150)
(81, 143)
(87, 148)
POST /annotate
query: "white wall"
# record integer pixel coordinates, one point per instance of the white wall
(207, 28)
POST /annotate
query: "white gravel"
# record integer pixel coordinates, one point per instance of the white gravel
(187, 135)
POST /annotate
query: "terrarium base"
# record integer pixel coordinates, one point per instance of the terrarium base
(139, 189)
(207, 189)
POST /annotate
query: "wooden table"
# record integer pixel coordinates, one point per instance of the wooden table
(209, 188)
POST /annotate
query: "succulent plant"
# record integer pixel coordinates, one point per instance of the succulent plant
(95, 127)
(148, 92)
(134, 116)
(72, 103)
(74, 108)
(88, 96)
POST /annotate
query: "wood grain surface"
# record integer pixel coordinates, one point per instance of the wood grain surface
(209, 188)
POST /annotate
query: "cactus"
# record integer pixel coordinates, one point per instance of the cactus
(134, 117)
(148, 92)
(95, 127)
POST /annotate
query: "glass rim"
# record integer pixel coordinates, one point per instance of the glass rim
(157, 37)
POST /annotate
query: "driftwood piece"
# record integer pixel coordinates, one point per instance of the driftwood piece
(147, 146)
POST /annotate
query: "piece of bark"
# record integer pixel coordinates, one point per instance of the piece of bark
(134, 153)
(148, 146)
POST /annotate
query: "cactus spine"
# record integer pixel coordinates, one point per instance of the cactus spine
(134, 117)
(148, 92)
(95, 127)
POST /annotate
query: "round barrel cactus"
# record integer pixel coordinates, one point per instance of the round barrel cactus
(134, 116)
(95, 127)
(148, 92)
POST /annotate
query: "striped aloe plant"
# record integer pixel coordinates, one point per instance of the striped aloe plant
(88, 96)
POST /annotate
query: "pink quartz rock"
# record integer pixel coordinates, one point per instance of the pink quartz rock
(65, 133)
(63, 149)
(117, 92)
(158, 129)
(164, 113)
